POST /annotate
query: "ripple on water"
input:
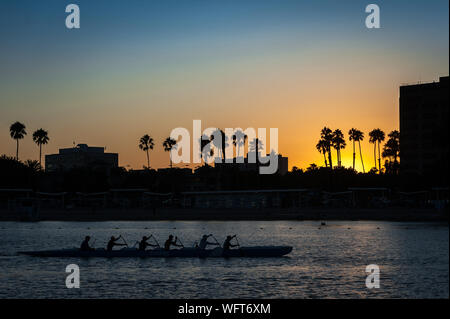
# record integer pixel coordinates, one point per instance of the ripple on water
(325, 263)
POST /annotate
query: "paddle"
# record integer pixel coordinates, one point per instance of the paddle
(154, 239)
(178, 240)
(216, 240)
(124, 241)
(237, 241)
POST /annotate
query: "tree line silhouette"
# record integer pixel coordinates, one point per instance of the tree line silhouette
(218, 138)
(18, 131)
(332, 176)
(330, 139)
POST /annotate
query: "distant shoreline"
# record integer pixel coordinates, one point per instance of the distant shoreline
(300, 214)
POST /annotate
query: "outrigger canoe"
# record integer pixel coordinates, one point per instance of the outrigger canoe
(256, 251)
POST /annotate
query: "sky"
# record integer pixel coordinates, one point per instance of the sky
(147, 67)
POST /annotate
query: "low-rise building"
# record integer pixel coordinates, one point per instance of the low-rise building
(81, 156)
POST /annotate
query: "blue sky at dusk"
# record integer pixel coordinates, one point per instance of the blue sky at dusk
(137, 67)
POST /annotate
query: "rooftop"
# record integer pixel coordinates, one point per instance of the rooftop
(82, 148)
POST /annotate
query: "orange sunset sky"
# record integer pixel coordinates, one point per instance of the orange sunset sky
(152, 67)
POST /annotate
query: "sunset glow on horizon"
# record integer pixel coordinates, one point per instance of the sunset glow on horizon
(149, 67)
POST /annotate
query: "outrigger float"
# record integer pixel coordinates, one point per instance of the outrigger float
(255, 251)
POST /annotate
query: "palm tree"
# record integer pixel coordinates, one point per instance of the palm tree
(219, 140)
(322, 148)
(146, 143)
(169, 144)
(17, 132)
(356, 135)
(205, 149)
(391, 150)
(373, 140)
(339, 143)
(40, 137)
(239, 139)
(327, 136)
(376, 137)
(33, 165)
(393, 145)
(256, 145)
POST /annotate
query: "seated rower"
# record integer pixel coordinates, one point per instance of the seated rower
(204, 242)
(170, 242)
(112, 242)
(227, 243)
(143, 243)
(85, 244)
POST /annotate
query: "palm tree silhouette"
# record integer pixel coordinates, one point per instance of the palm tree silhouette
(146, 143)
(40, 137)
(356, 135)
(33, 165)
(256, 145)
(322, 148)
(219, 139)
(169, 144)
(392, 147)
(205, 149)
(392, 150)
(376, 137)
(239, 139)
(17, 132)
(338, 142)
(327, 136)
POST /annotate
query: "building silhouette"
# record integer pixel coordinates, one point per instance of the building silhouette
(424, 135)
(81, 156)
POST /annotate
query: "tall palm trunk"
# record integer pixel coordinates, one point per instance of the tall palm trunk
(354, 155)
(379, 159)
(337, 156)
(17, 149)
(148, 161)
(375, 153)
(40, 155)
(360, 154)
(325, 158)
(330, 159)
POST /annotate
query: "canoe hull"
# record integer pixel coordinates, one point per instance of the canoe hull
(261, 251)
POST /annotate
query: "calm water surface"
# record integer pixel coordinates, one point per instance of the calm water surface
(327, 261)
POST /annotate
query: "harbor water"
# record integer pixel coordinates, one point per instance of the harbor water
(328, 261)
